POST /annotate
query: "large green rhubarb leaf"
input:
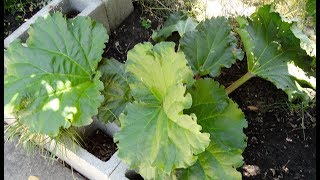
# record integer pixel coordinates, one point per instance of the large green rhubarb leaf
(179, 22)
(274, 53)
(211, 47)
(156, 137)
(221, 117)
(52, 83)
(116, 90)
(153, 69)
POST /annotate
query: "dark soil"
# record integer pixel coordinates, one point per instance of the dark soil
(278, 148)
(130, 33)
(12, 20)
(72, 14)
(132, 175)
(100, 145)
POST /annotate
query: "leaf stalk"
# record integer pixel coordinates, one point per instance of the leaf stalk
(239, 82)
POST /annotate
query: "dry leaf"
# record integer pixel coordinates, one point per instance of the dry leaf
(252, 108)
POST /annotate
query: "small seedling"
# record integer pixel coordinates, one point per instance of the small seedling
(146, 23)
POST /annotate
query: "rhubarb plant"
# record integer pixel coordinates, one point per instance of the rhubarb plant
(176, 121)
(179, 128)
(274, 53)
(52, 83)
(272, 47)
(163, 137)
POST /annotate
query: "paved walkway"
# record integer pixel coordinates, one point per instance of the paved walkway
(19, 166)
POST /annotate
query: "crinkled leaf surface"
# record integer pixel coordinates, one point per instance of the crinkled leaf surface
(274, 53)
(211, 47)
(151, 70)
(116, 90)
(155, 135)
(52, 83)
(179, 22)
(221, 117)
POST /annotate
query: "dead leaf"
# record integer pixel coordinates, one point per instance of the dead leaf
(253, 108)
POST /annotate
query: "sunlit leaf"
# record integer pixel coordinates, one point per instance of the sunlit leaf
(53, 83)
(274, 53)
(156, 137)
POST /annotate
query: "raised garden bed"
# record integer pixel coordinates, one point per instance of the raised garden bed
(278, 145)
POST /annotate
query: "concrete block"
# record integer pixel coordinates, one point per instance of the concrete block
(97, 12)
(83, 161)
(80, 5)
(86, 163)
(117, 11)
(80, 159)
(120, 172)
(93, 8)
